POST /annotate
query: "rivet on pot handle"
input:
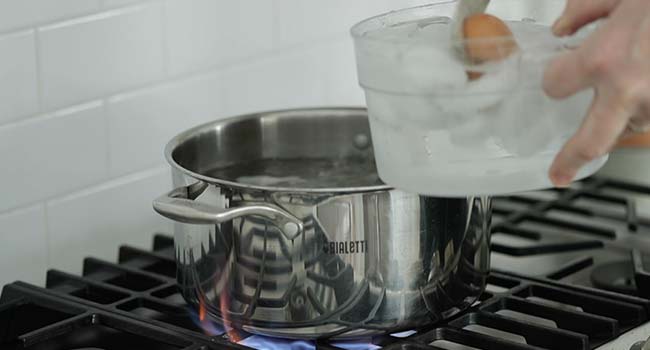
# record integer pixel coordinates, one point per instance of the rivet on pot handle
(178, 206)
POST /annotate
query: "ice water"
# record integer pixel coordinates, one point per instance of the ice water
(303, 173)
(436, 132)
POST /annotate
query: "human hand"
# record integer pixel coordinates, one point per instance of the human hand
(615, 62)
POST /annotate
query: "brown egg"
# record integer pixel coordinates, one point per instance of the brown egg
(487, 39)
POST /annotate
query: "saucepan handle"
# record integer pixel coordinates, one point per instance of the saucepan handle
(179, 205)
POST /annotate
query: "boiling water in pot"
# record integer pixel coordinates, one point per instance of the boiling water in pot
(303, 173)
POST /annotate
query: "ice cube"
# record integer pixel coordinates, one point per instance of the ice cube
(435, 30)
(523, 124)
(473, 133)
(494, 86)
(430, 69)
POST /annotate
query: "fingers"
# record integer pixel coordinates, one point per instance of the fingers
(598, 134)
(566, 75)
(579, 13)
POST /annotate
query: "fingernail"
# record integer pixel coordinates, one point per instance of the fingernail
(561, 180)
(561, 26)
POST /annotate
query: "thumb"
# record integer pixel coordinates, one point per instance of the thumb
(579, 13)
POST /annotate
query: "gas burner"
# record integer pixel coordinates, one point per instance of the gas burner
(589, 235)
(616, 276)
(571, 271)
(642, 345)
(94, 312)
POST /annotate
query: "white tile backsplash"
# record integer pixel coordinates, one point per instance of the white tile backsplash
(193, 34)
(339, 72)
(96, 221)
(115, 3)
(24, 254)
(88, 57)
(301, 22)
(18, 80)
(91, 91)
(245, 27)
(22, 13)
(53, 154)
(283, 81)
(141, 123)
(203, 33)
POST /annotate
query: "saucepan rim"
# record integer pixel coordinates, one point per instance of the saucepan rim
(187, 135)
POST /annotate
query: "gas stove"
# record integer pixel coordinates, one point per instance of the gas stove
(571, 270)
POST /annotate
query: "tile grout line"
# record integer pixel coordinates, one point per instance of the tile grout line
(170, 78)
(164, 21)
(274, 25)
(54, 114)
(103, 7)
(106, 7)
(107, 134)
(97, 15)
(37, 24)
(47, 240)
(110, 183)
(136, 175)
(39, 71)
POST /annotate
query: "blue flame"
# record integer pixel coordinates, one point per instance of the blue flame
(214, 329)
(268, 343)
(209, 327)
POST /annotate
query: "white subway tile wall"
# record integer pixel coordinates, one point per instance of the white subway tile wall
(116, 3)
(24, 245)
(336, 71)
(91, 90)
(202, 33)
(286, 80)
(303, 22)
(52, 155)
(159, 113)
(96, 221)
(18, 81)
(26, 13)
(88, 57)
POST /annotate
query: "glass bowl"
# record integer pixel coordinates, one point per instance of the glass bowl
(437, 132)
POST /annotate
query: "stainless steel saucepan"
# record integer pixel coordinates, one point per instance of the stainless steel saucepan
(284, 229)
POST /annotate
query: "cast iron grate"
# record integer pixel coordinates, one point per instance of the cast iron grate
(584, 229)
(32, 319)
(592, 234)
(522, 313)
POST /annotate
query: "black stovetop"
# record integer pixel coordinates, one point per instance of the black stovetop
(595, 234)
(569, 272)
